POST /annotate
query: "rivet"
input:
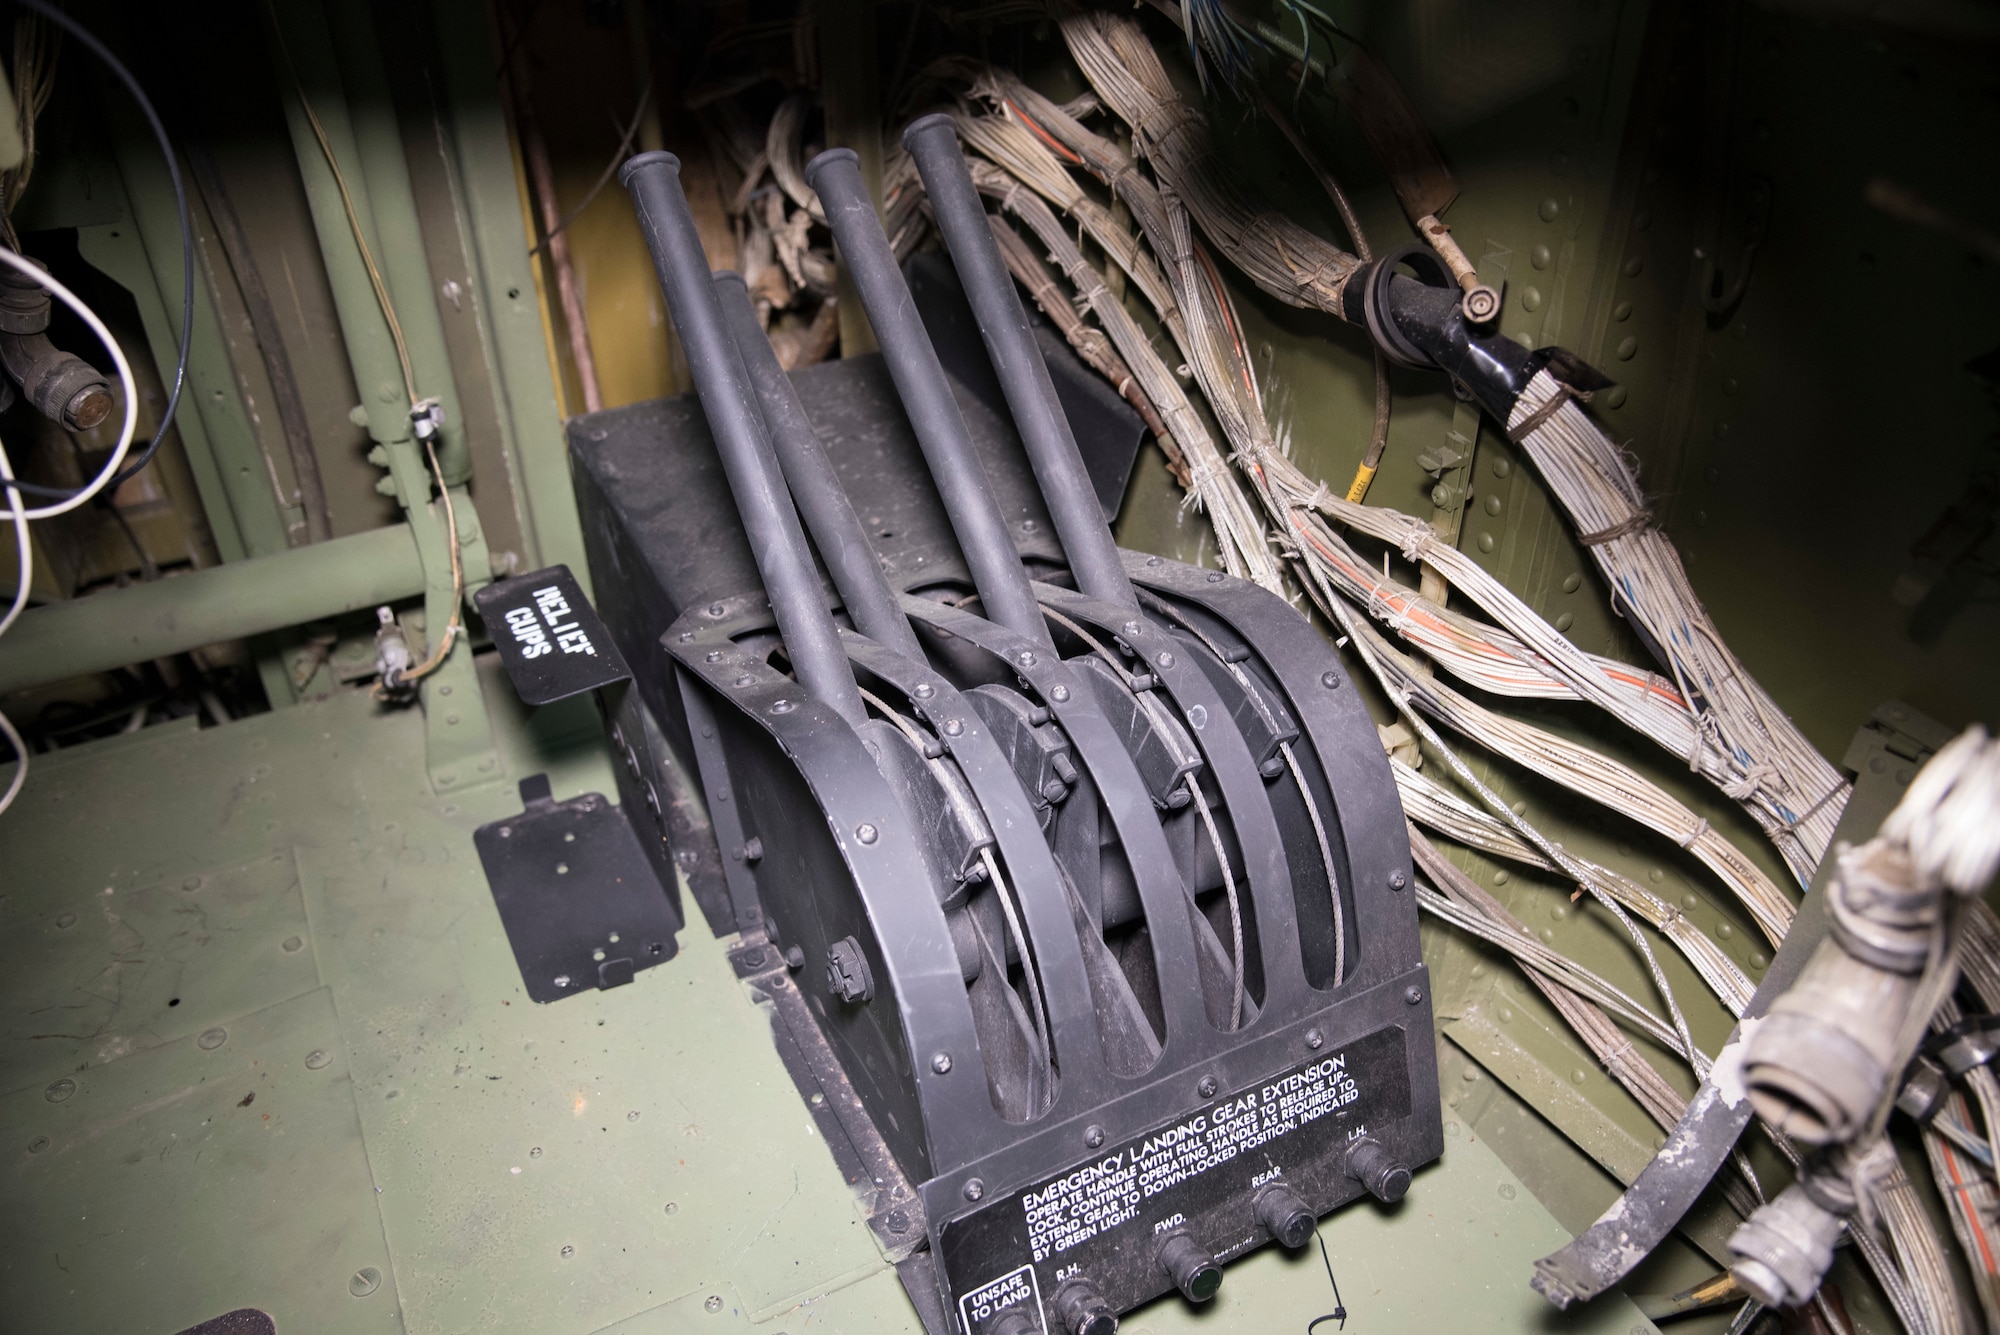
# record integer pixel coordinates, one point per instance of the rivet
(687, 637)
(1413, 995)
(444, 690)
(974, 1190)
(1622, 311)
(317, 1059)
(1531, 298)
(712, 1303)
(451, 720)
(60, 1090)
(562, 869)
(65, 922)
(1059, 694)
(1506, 1015)
(292, 945)
(1093, 1136)
(38, 1144)
(1724, 930)
(1549, 209)
(1572, 582)
(1207, 1087)
(1166, 660)
(866, 833)
(211, 1039)
(1486, 542)
(1615, 397)
(1634, 267)
(712, 656)
(1757, 959)
(953, 727)
(1315, 1039)
(1540, 257)
(632, 1116)
(1578, 1076)
(1330, 679)
(1628, 348)
(924, 690)
(1397, 880)
(1494, 505)
(364, 1281)
(1565, 621)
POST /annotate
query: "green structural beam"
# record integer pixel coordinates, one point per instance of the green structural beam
(231, 601)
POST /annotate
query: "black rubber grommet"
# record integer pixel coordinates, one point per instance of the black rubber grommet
(1428, 270)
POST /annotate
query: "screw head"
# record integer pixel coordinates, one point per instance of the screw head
(782, 706)
(60, 1090)
(713, 656)
(292, 945)
(1166, 660)
(924, 690)
(364, 1281)
(975, 1190)
(1330, 679)
(898, 1222)
(38, 1144)
(1059, 694)
(211, 1039)
(1026, 658)
(687, 636)
(716, 609)
(1093, 1136)
(867, 833)
(941, 1063)
(1153, 561)
(1315, 1039)
(712, 1303)
(1413, 995)
(317, 1059)
(743, 680)
(1397, 880)
(568, 1250)
(1207, 1087)
(1215, 577)
(1132, 629)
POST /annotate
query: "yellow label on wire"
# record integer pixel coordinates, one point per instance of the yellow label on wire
(1359, 487)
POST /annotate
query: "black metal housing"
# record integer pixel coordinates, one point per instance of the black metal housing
(1104, 877)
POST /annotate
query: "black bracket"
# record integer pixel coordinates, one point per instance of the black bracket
(576, 893)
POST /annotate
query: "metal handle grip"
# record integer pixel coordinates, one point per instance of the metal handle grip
(1024, 376)
(816, 491)
(920, 382)
(741, 441)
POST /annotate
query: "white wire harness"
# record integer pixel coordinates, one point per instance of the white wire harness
(20, 513)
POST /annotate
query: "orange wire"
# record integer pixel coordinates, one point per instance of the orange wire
(1054, 145)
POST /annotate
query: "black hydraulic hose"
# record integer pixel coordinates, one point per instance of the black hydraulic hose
(920, 381)
(1024, 376)
(816, 491)
(769, 522)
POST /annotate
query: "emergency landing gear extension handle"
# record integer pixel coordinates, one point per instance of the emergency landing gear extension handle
(1031, 396)
(769, 521)
(920, 382)
(822, 502)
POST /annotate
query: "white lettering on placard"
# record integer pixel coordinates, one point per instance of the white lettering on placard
(533, 640)
(1012, 1289)
(1078, 1206)
(570, 638)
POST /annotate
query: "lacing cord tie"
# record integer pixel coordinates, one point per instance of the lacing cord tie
(1700, 829)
